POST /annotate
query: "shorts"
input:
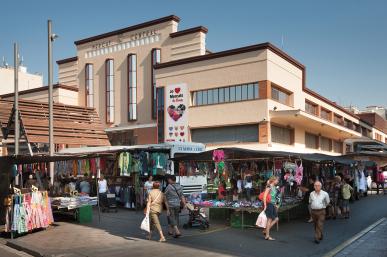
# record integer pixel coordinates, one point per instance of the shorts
(271, 211)
(173, 218)
(345, 203)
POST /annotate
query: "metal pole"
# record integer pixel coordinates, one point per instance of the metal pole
(16, 97)
(50, 102)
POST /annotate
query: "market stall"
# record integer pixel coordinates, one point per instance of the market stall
(237, 176)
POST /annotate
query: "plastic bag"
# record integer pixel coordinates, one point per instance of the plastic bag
(262, 220)
(145, 224)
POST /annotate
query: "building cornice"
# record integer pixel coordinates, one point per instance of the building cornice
(40, 89)
(128, 29)
(67, 60)
(189, 31)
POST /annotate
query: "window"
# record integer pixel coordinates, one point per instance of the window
(338, 119)
(244, 133)
(156, 58)
(348, 124)
(226, 94)
(281, 135)
(311, 108)
(132, 87)
(89, 82)
(109, 70)
(325, 114)
(357, 127)
(280, 95)
(160, 115)
(325, 144)
(337, 146)
(311, 141)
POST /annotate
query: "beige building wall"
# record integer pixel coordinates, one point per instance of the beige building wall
(26, 80)
(68, 73)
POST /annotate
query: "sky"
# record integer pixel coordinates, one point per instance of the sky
(343, 44)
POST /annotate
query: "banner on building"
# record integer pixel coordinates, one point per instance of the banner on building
(176, 115)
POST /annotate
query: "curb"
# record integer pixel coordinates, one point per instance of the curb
(23, 249)
(342, 246)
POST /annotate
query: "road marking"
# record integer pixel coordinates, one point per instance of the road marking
(353, 239)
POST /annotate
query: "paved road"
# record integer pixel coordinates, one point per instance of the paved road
(119, 235)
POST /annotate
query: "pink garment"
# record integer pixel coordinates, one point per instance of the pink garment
(299, 174)
(218, 155)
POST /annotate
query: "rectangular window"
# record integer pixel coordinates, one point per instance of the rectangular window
(325, 114)
(256, 91)
(215, 93)
(250, 91)
(221, 95)
(280, 95)
(243, 133)
(238, 93)
(348, 124)
(232, 94)
(326, 144)
(132, 87)
(338, 119)
(244, 92)
(311, 141)
(226, 94)
(311, 108)
(109, 70)
(160, 115)
(156, 58)
(89, 82)
(281, 135)
(337, 146)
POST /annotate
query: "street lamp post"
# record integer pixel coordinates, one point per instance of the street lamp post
(51, 38)
(16, 97)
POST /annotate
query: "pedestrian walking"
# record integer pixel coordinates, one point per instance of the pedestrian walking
(270, 207)
(156, 200)
(176, 201)
(346, 191)
(319, 200)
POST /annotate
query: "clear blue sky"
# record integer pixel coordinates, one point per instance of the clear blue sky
(343, 43)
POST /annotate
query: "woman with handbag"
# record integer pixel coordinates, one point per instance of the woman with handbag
(155, 202)
(270, 208)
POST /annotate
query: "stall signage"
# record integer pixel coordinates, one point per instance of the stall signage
(176, 113)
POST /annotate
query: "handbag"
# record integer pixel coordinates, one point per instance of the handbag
(261, 220)
(268, 197)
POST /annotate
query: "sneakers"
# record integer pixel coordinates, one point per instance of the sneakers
(310, 220)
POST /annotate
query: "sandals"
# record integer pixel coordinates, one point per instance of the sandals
(269, 238)
(162, 240)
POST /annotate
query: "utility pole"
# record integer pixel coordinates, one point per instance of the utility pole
(51, 38)
(16, 97)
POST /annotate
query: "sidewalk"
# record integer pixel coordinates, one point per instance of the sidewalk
(372, 243)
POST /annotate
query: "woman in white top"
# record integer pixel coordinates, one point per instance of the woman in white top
(102, 190)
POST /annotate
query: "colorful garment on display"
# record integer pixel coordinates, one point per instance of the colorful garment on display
(218, 155)
(30, 211)
(299, 174)
(125, 164)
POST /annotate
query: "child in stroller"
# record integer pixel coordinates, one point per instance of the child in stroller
(197, 218)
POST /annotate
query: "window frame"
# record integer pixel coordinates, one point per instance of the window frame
(87, 80)
(132, 117)
(291, 131)
(109, 92)
(317, 141)
(154, 60)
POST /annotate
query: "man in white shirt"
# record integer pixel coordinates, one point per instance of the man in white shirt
(318, 200)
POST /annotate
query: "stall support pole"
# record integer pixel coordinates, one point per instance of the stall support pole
(96, 181)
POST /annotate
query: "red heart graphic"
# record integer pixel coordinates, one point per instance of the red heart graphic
(177, 90)
(182, 134)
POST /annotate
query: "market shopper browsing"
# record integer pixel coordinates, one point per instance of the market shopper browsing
(270, 208)
(176, 201)
(319, 200)
(154, 207)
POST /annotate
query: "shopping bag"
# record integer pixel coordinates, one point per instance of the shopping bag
(261, 220)
(145, 224)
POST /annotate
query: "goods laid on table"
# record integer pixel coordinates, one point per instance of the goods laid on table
(73, 202)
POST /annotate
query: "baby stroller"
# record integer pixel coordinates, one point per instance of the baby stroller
(109, 203)
(197, 218)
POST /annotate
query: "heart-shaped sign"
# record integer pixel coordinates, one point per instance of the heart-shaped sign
(176, 128)
(170, 128)
(177, 90)
(182, 134)
(181, 127)
(176, 112)
(170, 134)
(176, 134)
